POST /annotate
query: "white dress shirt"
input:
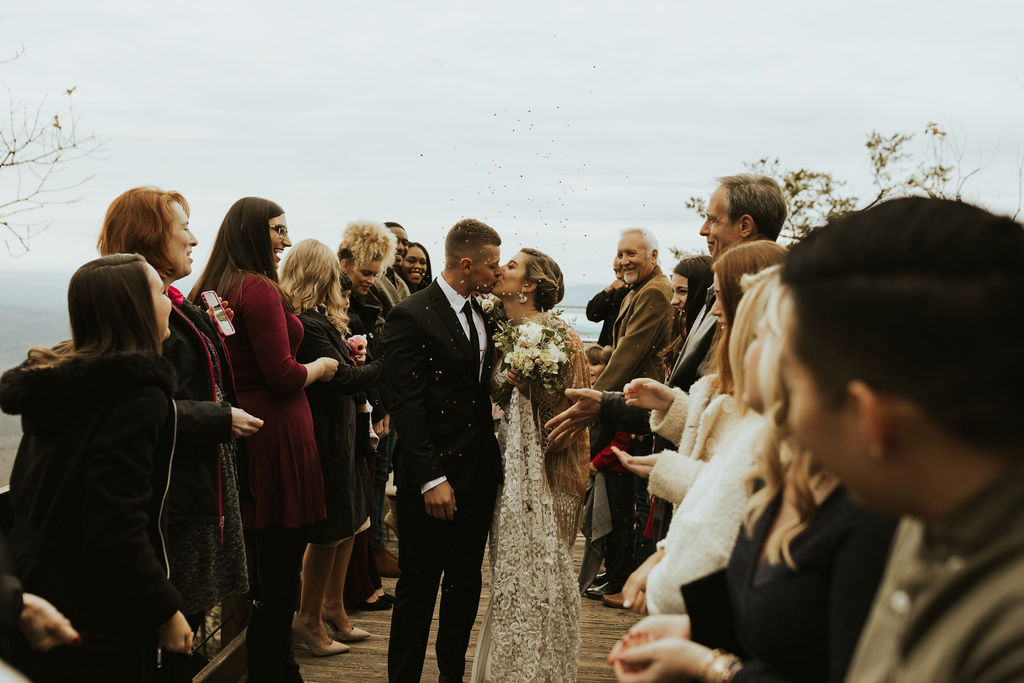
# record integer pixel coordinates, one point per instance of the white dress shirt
(458, 302)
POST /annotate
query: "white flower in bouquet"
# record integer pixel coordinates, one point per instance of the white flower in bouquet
(536, 350)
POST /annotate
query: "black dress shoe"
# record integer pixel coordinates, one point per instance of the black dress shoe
(388, 598)
(598, 592)
(600, 578)
(375, 606)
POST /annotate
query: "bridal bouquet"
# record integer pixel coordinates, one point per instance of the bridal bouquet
(536, 350)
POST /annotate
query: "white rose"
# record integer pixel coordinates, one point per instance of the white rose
(530, 334)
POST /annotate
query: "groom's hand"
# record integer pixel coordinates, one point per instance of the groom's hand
(440, 501)
(580, 415)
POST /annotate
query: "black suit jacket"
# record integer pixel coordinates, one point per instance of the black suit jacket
(441, 408)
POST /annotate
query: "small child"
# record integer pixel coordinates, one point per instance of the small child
(617, 545)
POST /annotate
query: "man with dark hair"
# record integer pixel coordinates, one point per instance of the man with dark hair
(391, 288)
(904, 365)
(438, 358)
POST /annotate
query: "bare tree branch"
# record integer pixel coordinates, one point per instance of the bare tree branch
(37, 144)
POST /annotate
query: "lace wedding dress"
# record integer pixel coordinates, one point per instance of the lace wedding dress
(531, 629)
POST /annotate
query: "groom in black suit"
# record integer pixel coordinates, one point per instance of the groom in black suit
(437, 360)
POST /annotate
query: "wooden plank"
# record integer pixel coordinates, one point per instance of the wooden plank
(367, 661)
(228, 666)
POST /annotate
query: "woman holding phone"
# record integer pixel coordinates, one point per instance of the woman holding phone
(205, 546)
(284, 464)
(89, 480)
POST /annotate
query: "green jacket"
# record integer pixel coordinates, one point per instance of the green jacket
(951, 604)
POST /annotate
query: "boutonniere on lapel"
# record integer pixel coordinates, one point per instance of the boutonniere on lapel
(491, 306)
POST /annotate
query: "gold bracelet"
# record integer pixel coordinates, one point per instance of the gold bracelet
(719, 667)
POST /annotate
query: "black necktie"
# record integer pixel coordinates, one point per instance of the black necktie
(474, 338)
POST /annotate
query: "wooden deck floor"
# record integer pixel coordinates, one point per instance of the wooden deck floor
(367, 661)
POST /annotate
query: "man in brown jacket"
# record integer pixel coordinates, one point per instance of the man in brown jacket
(643, 325)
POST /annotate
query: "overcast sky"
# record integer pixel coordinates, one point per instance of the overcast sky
(558, 124)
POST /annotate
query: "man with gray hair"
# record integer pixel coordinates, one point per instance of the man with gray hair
(743, 208)
(643, 325)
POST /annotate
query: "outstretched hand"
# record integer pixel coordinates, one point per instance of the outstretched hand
(577, 417)
(634, 591)
(640, 465)
(648, 393)
(662, 660)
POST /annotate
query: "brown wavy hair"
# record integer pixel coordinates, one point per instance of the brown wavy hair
(743, 259)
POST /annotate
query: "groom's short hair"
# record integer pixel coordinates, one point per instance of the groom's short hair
(466, 239)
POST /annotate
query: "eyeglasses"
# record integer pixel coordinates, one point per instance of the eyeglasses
(281, 230)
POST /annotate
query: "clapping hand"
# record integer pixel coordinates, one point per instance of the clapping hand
(649, 394)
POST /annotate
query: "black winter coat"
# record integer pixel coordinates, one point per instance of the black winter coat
(366, 317)
(87, 487)
(341, 437)
(195, 495)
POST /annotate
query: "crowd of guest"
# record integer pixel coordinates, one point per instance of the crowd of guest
(805, 462)
(182, 495)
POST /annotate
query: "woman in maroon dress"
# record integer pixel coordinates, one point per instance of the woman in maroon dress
(284, 467)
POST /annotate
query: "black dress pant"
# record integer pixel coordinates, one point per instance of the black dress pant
(618, 553)
(275, 555)
(433, 551)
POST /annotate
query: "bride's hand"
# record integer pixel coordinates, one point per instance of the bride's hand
(516, 380)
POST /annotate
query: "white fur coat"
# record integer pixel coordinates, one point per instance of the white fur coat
(706, 481)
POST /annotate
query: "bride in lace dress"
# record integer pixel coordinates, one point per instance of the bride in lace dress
(531, 629)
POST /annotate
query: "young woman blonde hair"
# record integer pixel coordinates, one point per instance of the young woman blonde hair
(367, 241)
(781, 465)
(309, 277)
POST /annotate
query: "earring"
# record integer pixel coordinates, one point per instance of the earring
(521, 298)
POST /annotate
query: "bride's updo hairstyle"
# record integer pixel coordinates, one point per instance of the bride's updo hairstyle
(542, 270)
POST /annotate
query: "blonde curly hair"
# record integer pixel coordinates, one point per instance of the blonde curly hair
(366, 241)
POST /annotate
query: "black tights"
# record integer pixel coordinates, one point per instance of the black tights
(275, 554)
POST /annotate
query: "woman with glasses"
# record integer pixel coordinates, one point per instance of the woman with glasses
(284, 464)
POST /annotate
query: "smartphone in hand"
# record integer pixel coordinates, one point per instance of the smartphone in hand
(213, 302)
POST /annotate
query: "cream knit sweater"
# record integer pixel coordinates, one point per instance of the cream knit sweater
(706, 481)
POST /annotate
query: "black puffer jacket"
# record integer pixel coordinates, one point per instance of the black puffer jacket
(88, 485)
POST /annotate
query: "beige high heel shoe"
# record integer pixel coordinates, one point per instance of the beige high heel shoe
(303, 634)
